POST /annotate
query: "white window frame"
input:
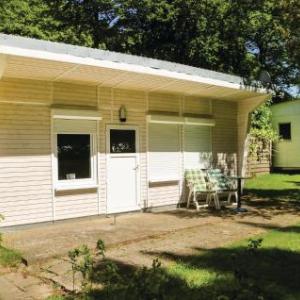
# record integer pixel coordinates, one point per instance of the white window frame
(67, 184)
(80, 115)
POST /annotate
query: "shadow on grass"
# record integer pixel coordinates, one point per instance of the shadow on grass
(239, 274)
(258, 206)
(274, 272)
(287, 194)
(291, 229)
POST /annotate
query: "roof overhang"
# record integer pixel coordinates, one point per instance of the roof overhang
(41, 60)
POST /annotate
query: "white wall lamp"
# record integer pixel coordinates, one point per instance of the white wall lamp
(122, 113)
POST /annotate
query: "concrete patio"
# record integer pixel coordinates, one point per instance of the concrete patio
(42, 242)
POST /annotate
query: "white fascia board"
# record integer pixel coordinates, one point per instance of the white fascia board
(88, 61)
(74, 114)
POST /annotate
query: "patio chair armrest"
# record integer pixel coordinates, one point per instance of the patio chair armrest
(190, 184)
(211, 185)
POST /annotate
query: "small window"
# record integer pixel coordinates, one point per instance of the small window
(122, 141)
(285, 131)
(74, 156)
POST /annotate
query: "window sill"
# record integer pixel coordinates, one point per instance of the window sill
(75, 187)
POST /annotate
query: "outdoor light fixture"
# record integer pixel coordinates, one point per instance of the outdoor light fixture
(122, 113)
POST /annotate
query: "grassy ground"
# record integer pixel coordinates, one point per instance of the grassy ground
(273, 268)
(275, 186)
(274, 182)
(9, 257)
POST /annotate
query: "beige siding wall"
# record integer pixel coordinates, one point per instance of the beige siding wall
(25, 163)
(26, 192)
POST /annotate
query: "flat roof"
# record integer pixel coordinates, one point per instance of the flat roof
(84, 52)
(43, 60)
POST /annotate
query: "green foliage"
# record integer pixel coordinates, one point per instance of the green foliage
(82, 262)
(239, 37)
(261, 123)
(262, 132)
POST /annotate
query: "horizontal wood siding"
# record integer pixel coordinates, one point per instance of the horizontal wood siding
(25, 163)
(74, 94)
(164, 102)
(196, 105)
(76, 204)
(27, 91)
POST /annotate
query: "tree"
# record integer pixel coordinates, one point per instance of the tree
(240, 37)
(25, 18)
(234, 36)
(85, 22)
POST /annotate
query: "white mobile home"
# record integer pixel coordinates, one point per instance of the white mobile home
(88, 132)
(286, 121)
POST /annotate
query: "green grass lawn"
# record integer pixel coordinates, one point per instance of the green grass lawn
(274, 267)
(274, 182)
(9, 257)
(275, 186)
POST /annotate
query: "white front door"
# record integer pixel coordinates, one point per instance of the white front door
(122, 169)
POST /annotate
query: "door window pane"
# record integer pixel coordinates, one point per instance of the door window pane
(74, 156)
(122, 141)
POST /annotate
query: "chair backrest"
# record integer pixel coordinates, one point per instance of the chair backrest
(219, 180)
(196, 177)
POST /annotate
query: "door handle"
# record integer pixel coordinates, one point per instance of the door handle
(136, 167)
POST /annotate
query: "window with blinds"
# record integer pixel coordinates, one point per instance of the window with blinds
(74, 148)
(164, 152)
(197, 146)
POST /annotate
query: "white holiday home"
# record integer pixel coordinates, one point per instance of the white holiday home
(88, 132)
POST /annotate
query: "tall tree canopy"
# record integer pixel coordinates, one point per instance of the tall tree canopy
(234, 36)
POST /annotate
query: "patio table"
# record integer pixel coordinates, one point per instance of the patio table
(239, 191)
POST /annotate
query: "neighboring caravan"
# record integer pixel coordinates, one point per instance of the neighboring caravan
(88, 132)
(286, 121)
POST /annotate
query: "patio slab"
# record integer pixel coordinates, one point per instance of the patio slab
(46, 241)
(43, 242)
